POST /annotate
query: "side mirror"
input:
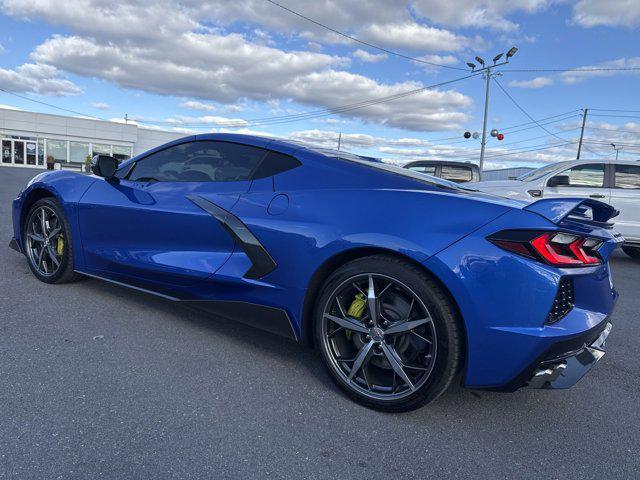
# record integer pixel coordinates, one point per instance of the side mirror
(104, 166)
(559, 181)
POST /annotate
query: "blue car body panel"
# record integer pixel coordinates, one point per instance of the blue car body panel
(158, 237)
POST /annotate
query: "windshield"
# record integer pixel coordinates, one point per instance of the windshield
(540, 172)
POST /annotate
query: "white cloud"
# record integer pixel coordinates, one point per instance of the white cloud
(537, 82)
(477, 13)
(100, 105)
(438, 59)
(207, 120)
(413, 36)
(610, 13)
(37, 78)
(9, 107)
(369, 57)
(195, 105)
(578, 76)
(329, 139)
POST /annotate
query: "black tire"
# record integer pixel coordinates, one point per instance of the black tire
(633, 252)
(446, 326)
(63, 273)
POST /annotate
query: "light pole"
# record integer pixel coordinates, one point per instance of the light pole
(487, 76)
(617, 149)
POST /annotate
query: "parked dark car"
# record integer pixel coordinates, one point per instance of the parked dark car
(457, 172)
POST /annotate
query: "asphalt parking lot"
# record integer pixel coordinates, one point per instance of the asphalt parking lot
(97, 381)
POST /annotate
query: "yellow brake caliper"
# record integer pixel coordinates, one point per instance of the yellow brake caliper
(60, 246)
(356, 309)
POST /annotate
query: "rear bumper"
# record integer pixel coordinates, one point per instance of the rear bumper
(564, 363)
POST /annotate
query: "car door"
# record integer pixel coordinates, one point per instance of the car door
(146, 228)
(625, 197)
(585, 180)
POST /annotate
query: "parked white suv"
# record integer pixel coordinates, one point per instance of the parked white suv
(614, 182)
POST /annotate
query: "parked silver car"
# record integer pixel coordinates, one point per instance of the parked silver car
(615, 182)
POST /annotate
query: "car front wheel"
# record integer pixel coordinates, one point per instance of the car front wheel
(389, 336)
(47, 241)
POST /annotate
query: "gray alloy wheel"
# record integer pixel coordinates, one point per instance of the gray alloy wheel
(388, 334)
(387, 353)
(47, 243)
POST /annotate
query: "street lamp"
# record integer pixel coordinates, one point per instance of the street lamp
(617, 149)
(512, 51)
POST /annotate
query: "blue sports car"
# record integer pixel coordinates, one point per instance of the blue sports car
(403, 282)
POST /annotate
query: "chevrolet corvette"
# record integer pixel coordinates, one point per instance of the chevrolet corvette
(403, 282)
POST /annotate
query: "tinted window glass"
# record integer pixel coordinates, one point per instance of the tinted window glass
(205, 161)
(428, 169)
(627, 176)
(456, 174)
(589, 175)
(275, 163)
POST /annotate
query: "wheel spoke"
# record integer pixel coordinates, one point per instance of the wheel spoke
(35, 237)
(43, 221)
(372, 301)
(396, 364)
(347, 323)
(55, 232)
(406, 326)
(360, 359)
(53, 256)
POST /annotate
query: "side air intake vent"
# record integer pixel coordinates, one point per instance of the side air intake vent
(564, 301)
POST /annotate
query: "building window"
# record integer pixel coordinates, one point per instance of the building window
(100, 149)
(56, 151)
(78, 152)
(121, 153)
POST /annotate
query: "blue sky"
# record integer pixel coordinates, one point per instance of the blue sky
(206, 65)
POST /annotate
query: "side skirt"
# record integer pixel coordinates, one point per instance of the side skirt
(270, 319)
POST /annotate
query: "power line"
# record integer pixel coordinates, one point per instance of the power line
(542, 119)
(319, 113)
(614, 116)
(576, 69)
(362, 42)
(615, 110)
(530, 117)
(50, 105)
(276, 120)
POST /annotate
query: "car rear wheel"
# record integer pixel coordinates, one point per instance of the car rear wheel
(633, 252)
(389, 336)
(47, 240)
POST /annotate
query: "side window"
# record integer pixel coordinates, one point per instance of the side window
(428, 169)
(627, 176)
(456, 174)
(275, 163)
(202, 161)
(590, 175)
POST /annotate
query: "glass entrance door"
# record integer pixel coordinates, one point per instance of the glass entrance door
(18, 152)
(7, 153)
(31, 153)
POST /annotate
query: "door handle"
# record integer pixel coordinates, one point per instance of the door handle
(596, 195)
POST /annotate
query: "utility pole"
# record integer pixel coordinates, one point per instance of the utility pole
(484, 123)
(584, 120)
(339, 140)
(488, 74)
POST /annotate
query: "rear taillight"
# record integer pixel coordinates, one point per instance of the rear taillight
(555, 248)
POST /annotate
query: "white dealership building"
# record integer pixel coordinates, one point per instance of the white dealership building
(32, 139)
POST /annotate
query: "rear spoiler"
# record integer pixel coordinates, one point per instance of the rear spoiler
(579, 210)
